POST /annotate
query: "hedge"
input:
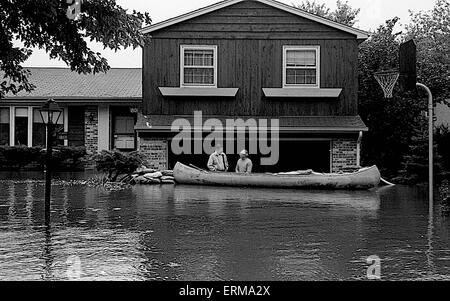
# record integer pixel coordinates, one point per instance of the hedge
(33, 158)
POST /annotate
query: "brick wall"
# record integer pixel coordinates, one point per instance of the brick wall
(91, 129)
(155, 151)
(344, 154)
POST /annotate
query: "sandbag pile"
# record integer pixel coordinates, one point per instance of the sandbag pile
(153, 177)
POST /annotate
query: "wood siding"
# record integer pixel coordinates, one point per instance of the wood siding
(250, 37)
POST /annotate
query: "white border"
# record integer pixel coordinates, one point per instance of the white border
(183, 48)
(302, 47)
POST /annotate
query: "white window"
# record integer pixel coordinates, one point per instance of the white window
(301, 66)
(5, 125)
(198, 66)
(24, 126)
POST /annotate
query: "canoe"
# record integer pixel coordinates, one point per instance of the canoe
(365, 178)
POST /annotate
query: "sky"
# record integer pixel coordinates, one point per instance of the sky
(373, 13)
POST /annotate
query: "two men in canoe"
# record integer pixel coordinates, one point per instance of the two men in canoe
(218, 161)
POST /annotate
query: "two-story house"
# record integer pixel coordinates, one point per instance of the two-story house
(258, 59)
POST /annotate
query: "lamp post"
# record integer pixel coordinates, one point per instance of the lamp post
(50, 114)
(430, 143)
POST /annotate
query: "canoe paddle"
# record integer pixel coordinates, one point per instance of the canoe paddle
(198, 168)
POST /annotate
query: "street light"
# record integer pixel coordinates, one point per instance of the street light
(430, 142)
(50, 114)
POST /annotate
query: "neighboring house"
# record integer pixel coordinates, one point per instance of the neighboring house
(99, 111)
(255, 59)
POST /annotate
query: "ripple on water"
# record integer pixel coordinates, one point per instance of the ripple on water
(207, 233)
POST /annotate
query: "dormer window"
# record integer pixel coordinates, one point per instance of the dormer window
(198, 66)
(301, 66)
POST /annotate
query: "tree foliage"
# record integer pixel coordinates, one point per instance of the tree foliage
(380, 52)
(391, 122)
(442, 138)
(44, 24)
(415, 163)
(343, 13)
(431, 32)
(397, 139)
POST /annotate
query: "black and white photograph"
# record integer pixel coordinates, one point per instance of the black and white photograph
(241, 143)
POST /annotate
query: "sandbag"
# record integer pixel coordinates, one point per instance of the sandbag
(153, 175)
(168, 173)
(153, 181)
(140, 179)
(168, 181)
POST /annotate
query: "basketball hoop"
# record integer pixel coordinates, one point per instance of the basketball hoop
(387, 80)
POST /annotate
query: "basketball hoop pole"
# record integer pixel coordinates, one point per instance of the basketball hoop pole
(430, 143)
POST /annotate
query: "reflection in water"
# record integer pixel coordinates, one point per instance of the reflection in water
(430, 240)
(208, 233)
(47, 255)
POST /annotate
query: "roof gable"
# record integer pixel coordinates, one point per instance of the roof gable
(360, 34)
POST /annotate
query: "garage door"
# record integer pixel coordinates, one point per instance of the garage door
(302, 155)
(294, 155)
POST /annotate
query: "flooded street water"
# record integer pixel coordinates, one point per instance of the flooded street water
(208, 233)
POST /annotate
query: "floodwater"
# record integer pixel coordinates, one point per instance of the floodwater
(208, 233)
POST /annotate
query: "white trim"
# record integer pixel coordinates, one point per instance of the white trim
(358, 149)
(201, 92)
(316, 48)
(30, 126)
(301, 92)
(104, 131)
(360, 34)
(66, 124)
(12, 135)
(183, 48)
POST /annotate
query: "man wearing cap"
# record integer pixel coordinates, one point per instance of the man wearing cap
(218, 160)
(244, 164)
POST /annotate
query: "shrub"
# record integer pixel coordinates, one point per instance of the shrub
(19, 157)
(115, 163)
(68, 157)
(442, 137)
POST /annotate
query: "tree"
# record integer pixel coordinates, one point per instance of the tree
(379, 52)
(442, 138)
(45, 24)
(391, 121)
(344, 13)
(315, 8)
(415, 162)
(431, 32)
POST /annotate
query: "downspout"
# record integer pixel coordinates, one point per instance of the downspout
(358, 149)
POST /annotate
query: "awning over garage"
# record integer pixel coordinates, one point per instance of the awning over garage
(299, 124)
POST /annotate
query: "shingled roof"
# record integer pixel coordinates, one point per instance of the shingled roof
(325, 124)
(63, 84)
